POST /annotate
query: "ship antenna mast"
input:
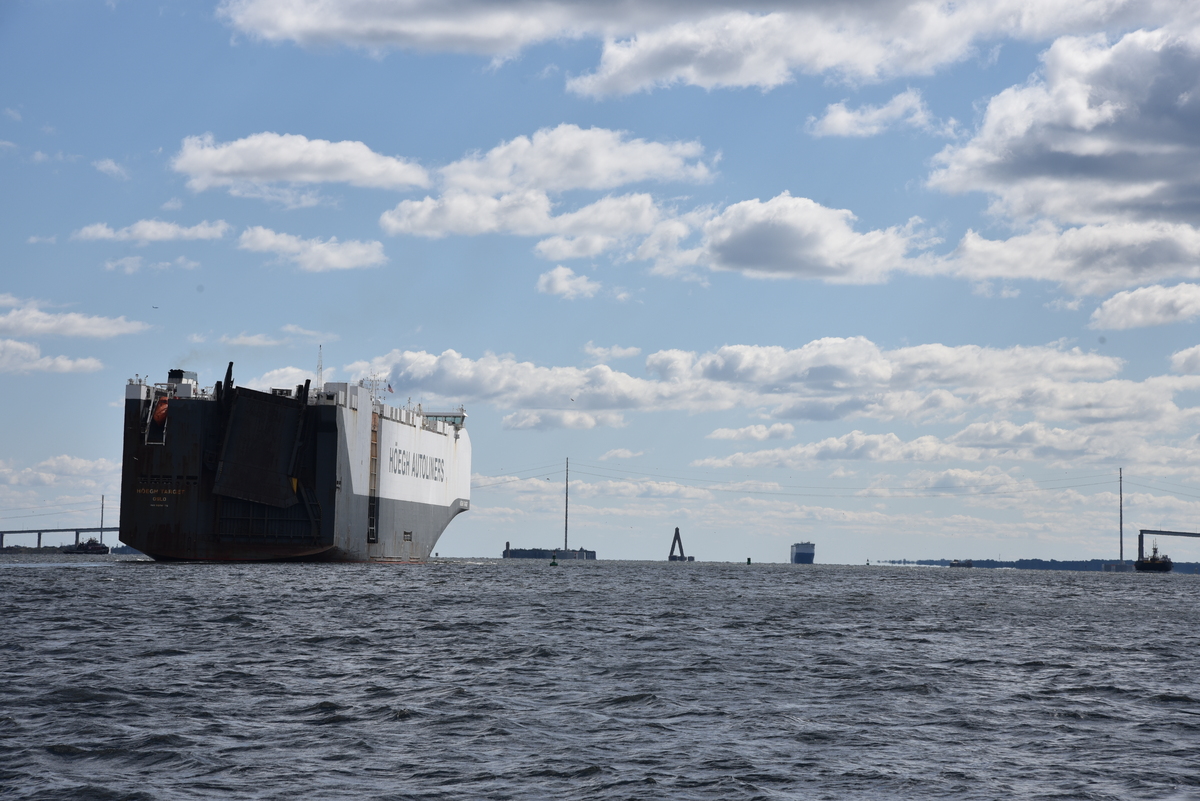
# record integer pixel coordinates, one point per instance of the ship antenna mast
(320, 369)
(566, 501)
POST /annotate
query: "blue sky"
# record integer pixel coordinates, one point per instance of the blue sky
(904, 280)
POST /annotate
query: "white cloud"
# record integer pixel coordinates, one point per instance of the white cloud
(65, 465)
(794, 237)
(26, 357)
(174, 204)
(853, 446)
(620, 453)
(78, 472)
(41, 240)
(28, 320)
(563, 282)
(285, 378)
(111, 168)
(4, 143)
(1147, 306)
(587, 231)
(1004, 439)
(252, 340)
(508, 190)
(1094, 161)
(315, 336)
(145, 231)
(546, 419)
(756, 432)
(267, 341)
(13, 114)
(255, 165)
(604, 355)
(131, 264)
(1186, 361)
(907, 108)
(313, 255)
(127, 264)
(1102, 135)
(1062, 304)
(1089, 259)
(959, 481)
(570, 157)
(39, 157)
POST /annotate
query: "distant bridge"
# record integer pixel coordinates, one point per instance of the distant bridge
(78, 531)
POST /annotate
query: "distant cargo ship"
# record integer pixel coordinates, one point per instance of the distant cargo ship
(328, 474)
(803, 553)
(1154, 563)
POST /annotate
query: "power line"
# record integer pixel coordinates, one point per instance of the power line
(1163, 489)
(74, 503)
(896, 492)
(622, 472)
(45, 514)
(936, 491)
(1171, 483)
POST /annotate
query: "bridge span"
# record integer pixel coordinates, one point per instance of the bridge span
(41, 531)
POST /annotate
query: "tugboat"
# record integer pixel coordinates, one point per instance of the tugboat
(962, 563)
(1156, 563)
(92, 547)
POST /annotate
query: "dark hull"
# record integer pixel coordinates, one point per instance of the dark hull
(219, 483)
(1158, 566)
(546, 553)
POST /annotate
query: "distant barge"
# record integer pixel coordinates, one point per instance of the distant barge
(546, 553)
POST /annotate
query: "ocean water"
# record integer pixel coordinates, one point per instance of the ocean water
(604, 680)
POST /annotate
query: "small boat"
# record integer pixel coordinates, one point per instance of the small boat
(91, 547)
(962, 563)
(1155, 563)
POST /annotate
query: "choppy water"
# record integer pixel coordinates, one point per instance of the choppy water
(595, 681)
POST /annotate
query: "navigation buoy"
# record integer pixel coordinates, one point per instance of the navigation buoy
(747, 560)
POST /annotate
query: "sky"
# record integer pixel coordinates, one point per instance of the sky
(902, 279)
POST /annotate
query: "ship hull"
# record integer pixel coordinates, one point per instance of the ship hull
(803, 553)
(249, 476)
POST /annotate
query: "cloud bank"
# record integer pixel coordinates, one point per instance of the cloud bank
(707, 44)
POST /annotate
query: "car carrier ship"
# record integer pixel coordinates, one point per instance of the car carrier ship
(331, 473)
